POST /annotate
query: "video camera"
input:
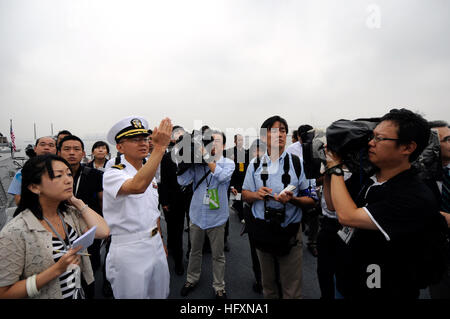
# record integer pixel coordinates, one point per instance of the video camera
(348, 139)
(428, 164)
(187, 149)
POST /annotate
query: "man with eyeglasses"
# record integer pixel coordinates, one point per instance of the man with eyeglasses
(274, 223)
(44, 145)
(208, 212)
(441, 189)
(136, 265)
(394, 215)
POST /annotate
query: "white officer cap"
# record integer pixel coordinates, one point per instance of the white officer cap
(129, 126)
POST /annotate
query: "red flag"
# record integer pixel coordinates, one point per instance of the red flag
(13, 143)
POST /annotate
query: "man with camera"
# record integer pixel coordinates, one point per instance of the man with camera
(441, 189)
(311, 216)
(394, 216)
(175, 201)
(209, 208)
(276, 214)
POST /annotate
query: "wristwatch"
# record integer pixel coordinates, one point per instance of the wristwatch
(336, 170)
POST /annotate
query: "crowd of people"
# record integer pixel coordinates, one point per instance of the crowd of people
(383, 234)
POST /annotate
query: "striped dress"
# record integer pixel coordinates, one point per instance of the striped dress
(67, 277)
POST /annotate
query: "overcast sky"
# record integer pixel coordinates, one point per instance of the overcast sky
(85, 64)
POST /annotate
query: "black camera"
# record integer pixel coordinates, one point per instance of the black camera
(274, 215)
(187, 150)
(350, 140)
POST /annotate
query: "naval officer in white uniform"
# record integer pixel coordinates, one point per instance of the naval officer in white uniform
(136, 265)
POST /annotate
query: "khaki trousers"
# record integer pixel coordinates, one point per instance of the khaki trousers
(215, 236)
(290, 272)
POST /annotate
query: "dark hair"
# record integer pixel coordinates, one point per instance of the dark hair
(435, 124)
(65, 132)
(411, 127)
(204, 128)
(303, 129)
(235, 137)
(267, 125)
(295, 135)
(224, 138)
(99, 144)
(29, 151)
(32, 173)
(70, 138)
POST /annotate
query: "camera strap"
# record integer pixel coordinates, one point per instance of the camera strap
(286, 178)
(264, 178)
(202, 179)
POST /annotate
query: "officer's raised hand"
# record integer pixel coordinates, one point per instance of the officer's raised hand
(161, 135)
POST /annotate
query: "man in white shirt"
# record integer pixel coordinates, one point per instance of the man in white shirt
(136, 265)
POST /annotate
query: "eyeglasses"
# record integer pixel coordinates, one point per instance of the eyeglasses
(377, 139)
(446, 139)
(43, 144)
(137, 139)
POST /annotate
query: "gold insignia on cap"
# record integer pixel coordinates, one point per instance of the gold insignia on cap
(136, 123)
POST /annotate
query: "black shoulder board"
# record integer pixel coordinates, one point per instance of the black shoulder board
(119, 166)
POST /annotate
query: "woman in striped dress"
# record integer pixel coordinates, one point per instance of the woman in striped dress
(38, 260)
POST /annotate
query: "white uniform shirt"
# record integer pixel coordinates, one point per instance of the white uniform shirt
(296, 149)
(127, 214)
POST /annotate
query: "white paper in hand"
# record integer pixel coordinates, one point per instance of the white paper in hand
(289, 188)
(85, 240)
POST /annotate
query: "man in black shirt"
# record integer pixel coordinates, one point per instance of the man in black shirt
(441, 189)
(175, 201)
(239, 155)
(393, 215)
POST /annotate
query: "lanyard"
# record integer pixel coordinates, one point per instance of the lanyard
(57, 234)
(75, 191)
(206, 179)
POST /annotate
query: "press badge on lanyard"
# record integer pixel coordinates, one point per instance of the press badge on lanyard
(213, 196)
